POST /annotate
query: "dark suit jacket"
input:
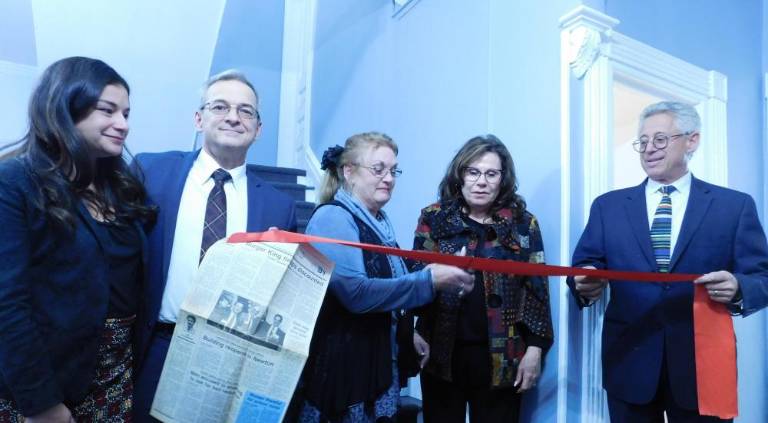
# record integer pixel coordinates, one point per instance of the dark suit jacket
(164, 177)
(264, 329)
(720, 231)
(54, 296)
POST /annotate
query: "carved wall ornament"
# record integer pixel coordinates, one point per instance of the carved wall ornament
(584, 48)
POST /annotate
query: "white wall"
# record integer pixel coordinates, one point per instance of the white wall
(435, 77)
(16, 83)
(17, 37)
(162, 48)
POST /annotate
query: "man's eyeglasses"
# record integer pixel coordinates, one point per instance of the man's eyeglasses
(380, 171)
(660, 141)
(472, 174)
(222, 108)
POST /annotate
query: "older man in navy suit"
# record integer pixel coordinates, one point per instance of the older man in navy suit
(203, 196)
(672, 222)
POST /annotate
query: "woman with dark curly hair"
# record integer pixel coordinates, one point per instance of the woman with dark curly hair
(71, 256)
(486, 347)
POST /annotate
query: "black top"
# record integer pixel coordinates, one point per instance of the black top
(122, 247)
(54, 296)
(472, 327)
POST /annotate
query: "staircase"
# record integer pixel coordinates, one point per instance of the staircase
(286, 180)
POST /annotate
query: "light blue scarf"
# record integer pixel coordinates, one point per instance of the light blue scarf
(382, 226)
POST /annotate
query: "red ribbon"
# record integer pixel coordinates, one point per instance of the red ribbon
(714, 338)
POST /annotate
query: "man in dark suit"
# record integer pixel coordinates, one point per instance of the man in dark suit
(695, 227)
(256, 314)
(203, 196)
(272, 333)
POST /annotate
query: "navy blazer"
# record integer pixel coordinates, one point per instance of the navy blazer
(720, 231)
(164, 177)
(53, 298)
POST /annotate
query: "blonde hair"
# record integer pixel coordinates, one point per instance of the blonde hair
(354, 148)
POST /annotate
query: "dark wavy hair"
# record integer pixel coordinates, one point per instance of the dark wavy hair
(474, 149)
(60, 160)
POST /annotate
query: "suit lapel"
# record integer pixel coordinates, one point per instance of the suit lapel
(637, 214)
(170, 208)
(144, 255)
(255, 204)
(699, 201)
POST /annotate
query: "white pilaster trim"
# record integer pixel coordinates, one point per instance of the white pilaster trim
(565, 229)
(666, 72)
(598, 156)
(586, 29)
(765, 151)
(293, 147)
(314, 173)
(583, 16)
(765, 155)
(713, 165)
(584, 33)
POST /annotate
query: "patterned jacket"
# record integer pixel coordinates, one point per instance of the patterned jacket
(517, 307)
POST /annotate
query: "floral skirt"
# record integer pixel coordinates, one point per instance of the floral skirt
(110, 397)
(384, 407)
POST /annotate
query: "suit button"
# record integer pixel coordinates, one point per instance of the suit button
(667, 287)
(149, 325)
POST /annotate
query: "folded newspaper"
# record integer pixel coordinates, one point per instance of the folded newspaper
(243, 334)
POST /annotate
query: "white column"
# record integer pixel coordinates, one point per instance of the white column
(714, 131)
(296, 88)
(583, 36)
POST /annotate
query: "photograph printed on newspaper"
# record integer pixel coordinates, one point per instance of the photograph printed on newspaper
(243, 334)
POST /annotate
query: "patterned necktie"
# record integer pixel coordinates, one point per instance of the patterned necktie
(661, 230)
(215, 212)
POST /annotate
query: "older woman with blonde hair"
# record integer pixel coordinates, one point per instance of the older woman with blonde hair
(351, 374)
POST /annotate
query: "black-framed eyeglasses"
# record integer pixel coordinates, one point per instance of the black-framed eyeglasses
(380, 171)
(660, 141)
(222, 108)
(492, 176)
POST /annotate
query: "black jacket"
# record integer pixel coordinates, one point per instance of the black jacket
(53, 298)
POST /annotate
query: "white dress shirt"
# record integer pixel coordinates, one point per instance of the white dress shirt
(679, 199)
(185, 253)
(272, 332)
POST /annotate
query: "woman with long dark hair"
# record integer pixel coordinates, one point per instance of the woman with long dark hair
(486, 347)
(71, 255)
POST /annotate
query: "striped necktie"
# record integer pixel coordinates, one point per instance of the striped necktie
(215, 227)
(661, 229)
